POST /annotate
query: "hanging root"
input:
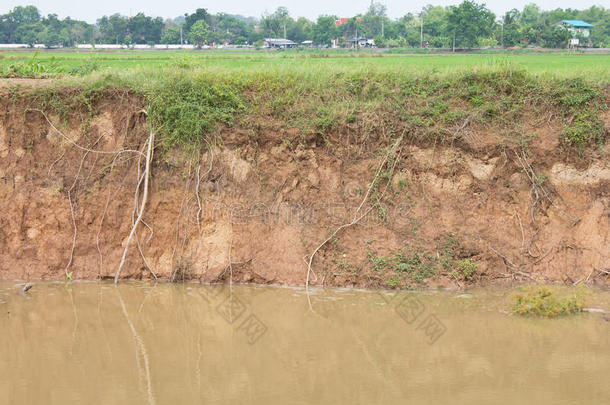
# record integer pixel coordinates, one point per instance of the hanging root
(115, 152)
(199, 177)
(178, 269)
(356, 218)
(539, 188)
(75, 229)
(135, 213)
(149, 152)
(144, 178)
(519, 269)
(110, 196)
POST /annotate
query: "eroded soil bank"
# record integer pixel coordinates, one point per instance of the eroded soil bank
(471, 209)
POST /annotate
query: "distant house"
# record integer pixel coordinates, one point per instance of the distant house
(361, 42)
(344, 20)
(577, 27)
(307, 43)
(279, 43)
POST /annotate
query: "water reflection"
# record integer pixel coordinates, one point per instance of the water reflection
(183, 344)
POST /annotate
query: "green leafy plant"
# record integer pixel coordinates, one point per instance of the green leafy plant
(32, 68)
(468, 268)
(544, 301)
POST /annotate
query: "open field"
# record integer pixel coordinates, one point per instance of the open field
(595, 67)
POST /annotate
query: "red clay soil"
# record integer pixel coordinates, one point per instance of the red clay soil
(255, 209)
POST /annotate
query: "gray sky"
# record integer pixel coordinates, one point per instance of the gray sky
(91, 10)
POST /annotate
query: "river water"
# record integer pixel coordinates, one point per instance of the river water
(141, 343)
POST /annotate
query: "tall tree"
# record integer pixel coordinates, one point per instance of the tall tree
(16, 18)
(171, 35)
(199, 33)
(190, 19)
(374, 21)
(325, 30)
(300, 30)
(468, 22)
(530, 14)
(274, 25)
(144, 29)
(510, 29)
(113, 29)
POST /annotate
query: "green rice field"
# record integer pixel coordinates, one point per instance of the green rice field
(596, 66)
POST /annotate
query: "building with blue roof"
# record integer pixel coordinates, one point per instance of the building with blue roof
(577, 27)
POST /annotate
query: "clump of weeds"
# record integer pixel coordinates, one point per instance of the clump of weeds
(544, 301)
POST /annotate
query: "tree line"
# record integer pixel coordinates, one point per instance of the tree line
(467, 25)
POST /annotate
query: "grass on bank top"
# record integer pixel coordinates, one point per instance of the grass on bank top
(186, 102)
(79, 62)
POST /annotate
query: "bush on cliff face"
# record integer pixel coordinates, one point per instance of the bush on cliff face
(185, 108)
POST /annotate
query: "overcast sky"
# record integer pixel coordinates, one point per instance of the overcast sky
(91, 10)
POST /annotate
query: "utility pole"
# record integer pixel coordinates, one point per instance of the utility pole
(421, 30)
(502, 34)
(453, 41)
(284, 29)
(181, 43)
(382, 32)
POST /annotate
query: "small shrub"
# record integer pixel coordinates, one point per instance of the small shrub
(324, 120)
(468, 268)
(582, 131)
(90, 65)
(187, 109)
(542, 301)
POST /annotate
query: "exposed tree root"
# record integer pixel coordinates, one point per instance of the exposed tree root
(99, 229)
(136, 213)
(356, 218)
(75, 229)
(515, 270)
(605, 272)
(54, 162)
(179, 218)
(151, 141)
(522, 231)
(144, 177)
(534, 179)
(79, 146)
(518, 269)
(199, 177)
(230, 249)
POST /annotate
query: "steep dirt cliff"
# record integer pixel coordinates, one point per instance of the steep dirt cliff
(257, 204)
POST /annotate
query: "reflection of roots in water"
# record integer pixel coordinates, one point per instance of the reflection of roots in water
(69, 289)
(99, 315)
(198, 366)
(139, 343)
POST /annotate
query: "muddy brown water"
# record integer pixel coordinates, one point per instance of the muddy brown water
(191, 344)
